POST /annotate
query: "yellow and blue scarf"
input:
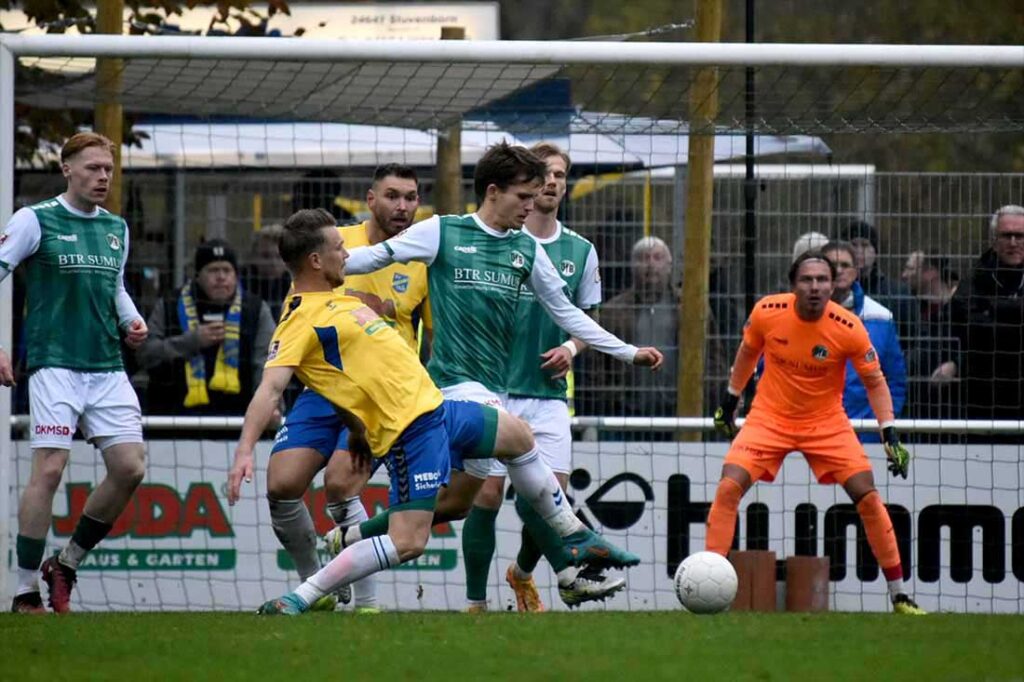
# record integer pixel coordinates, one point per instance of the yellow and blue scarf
(225, 370)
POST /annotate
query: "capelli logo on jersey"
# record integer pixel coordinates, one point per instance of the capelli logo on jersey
(114, 241)
(819, 353)
(568, 268)
(68, 237)
(518, 259)
(465, 249)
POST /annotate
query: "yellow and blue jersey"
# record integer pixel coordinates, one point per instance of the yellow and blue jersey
(342, 349)
(394, 292)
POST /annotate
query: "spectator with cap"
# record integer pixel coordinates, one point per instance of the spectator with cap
(808, 241)
(892, 294)
(988, 319)
(208, 341)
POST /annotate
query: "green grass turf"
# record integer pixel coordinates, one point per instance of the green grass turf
(454, 646)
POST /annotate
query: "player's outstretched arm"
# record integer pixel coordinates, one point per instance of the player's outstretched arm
(548, 286)
(258, 415)
(419, 242)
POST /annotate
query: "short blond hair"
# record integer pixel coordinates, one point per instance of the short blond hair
(79, 142)
(546, 149)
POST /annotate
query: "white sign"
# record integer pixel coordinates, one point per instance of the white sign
(179, 546)
(362, 21)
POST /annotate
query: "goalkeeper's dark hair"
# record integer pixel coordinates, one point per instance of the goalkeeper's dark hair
(301, 235)
(503, 165)
(397, 170)
(806, 256)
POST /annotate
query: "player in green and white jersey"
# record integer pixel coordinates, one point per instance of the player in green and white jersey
(476, 266)
(73, 253)
(541, 358)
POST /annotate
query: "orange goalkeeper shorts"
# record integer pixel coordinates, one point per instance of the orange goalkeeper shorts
(830, 447)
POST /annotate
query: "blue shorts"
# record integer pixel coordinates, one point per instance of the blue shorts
(418, 462)
(312, 423)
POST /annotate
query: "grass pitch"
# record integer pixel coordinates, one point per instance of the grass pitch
(453, 647)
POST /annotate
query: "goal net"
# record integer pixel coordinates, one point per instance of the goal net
(880, 146)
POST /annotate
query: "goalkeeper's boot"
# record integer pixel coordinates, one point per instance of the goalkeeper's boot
(587, 548)
(476, 607)
(61, 580)
(328, 602)
(590, 585)
(527, 597)
(29, 602)
(903, 604)
(288, 605)
(334, 542)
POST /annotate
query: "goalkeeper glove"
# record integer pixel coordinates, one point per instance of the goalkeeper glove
(895, 452)
(725, 415)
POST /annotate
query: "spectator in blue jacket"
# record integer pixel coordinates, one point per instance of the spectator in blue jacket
(881, 329)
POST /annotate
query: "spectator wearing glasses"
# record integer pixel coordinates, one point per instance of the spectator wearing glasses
(988, 318)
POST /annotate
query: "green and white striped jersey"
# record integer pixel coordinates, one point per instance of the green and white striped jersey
(575, 258)
(475, 275)
(74, 278)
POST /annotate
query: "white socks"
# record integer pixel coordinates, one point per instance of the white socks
(355, 562)
(28, 581)
(534, 480)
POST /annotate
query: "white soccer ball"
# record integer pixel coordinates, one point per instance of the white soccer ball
(705, 583)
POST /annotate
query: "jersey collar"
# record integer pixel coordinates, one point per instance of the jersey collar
(488, 229)
(74, 211)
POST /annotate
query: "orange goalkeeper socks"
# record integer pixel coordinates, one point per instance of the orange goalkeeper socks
(881, 537)
(722, 517)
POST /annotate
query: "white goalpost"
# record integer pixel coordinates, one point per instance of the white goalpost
(620, 111)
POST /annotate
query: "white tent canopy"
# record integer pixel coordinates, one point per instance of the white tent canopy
(316, 145)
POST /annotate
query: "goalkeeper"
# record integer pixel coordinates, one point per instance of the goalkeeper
(806, 340)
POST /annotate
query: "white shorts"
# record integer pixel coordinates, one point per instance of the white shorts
(102, 404)
(474, 392)
(550, 422)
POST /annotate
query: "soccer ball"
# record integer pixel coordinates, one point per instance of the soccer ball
(705, 583)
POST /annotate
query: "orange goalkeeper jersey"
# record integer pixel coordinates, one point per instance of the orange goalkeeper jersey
(805, 362)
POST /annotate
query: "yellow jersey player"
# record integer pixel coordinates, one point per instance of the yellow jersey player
(312, 437)
(344, 351)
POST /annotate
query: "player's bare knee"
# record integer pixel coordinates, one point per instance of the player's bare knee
(491, 493)
(451, 508)
(859, 486)
(48, 469)
(410, 542)
(284, 489)
(737, 475)
(514, 437)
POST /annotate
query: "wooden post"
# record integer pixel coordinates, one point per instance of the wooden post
(807, 583)
(108, 116)
(755, 573)
(448, 177)
(693, 303)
